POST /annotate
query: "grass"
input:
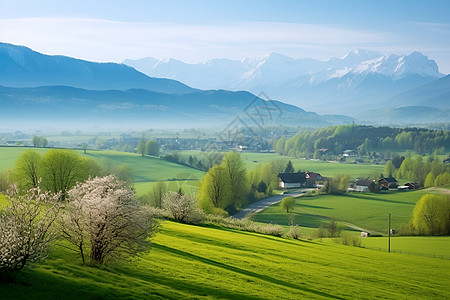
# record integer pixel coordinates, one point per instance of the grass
(369, 211)
(148, 169)
(9, 155)
(144, 170)
(433, 246)
(190, 262)
(3, 200)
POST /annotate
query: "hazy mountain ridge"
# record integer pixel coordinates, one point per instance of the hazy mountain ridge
(23, 67)
(435, 94)
(143, 108)
(335, 85)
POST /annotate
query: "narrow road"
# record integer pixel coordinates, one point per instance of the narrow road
(269, 201)
(262, 204)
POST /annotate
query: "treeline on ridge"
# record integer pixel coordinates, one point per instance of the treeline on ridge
(363, 139)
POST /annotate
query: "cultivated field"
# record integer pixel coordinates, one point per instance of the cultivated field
(191, 262)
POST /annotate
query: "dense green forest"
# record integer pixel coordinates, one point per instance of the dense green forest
(363, 139)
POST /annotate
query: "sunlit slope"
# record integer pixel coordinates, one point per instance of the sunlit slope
(189, 262)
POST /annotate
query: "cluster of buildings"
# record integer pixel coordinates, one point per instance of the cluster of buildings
(315, 180)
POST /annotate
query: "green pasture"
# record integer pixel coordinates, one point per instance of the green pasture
(149, 169)
(9, 155)
(191, 262)
(144, 170)
(433, 246)
(367, 210)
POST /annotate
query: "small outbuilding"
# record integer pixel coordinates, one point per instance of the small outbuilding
(364, 234)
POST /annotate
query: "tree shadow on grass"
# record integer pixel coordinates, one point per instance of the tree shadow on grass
(313, 206)
(366, 197)
(243, 271)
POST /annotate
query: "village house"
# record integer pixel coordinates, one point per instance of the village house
(292, 180)
(389, 182)
(364, 185)
(312, 179)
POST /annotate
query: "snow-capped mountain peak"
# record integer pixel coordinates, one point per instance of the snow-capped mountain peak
(358, 74)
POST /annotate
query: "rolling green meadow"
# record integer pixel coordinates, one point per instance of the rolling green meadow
(205, 262)
(144, 170)
(193, 262)
(433, 246)
(367, 210)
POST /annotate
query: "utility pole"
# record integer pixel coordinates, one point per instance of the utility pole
(389, 241)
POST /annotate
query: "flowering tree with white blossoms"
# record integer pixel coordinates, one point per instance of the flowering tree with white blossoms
(183, 208)
(104, 218)
(26, 231)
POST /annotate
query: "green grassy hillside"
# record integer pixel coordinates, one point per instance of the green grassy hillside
(433, 246)
(9, 155)
(369, 211)
(145, 170)
(189, 262)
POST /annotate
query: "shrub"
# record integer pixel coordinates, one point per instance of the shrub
(346, 239)
(294, 232)
(350, 240)
(182, 208)
(431, 215)
(243, 224)
(26, 231)
(272, 229)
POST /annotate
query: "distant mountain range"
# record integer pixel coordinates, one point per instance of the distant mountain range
(23, 67)
(338, 85)
(59, 89)
(55, 90)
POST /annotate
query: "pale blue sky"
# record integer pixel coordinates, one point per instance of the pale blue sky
(198, 30)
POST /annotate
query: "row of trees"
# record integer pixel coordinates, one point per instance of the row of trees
(57, 170)
(203, 161)
(432, 172)
(363, 139)
(149, 147)
(39, 141)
